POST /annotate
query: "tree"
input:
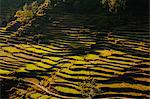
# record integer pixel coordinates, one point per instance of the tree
(25, 7)
(34, 7)
(114, 6)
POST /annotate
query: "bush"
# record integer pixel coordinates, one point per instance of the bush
(25, 7)
(34, 7)
(114, 6)
(24, 16)
(28, 12)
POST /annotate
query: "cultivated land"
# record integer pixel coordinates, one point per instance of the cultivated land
(63, 56)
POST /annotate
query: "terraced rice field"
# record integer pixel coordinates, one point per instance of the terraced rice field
(73, 61)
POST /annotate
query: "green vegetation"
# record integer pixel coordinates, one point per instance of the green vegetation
(107, 7)
(114, 6)
(23, 17)
(48, 53)
(28, 12)
(103, 7)
(9, 7)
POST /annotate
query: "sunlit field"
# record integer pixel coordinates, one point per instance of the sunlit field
(46, 53)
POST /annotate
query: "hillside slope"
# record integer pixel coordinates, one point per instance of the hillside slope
(59, 56)
(9, 7)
